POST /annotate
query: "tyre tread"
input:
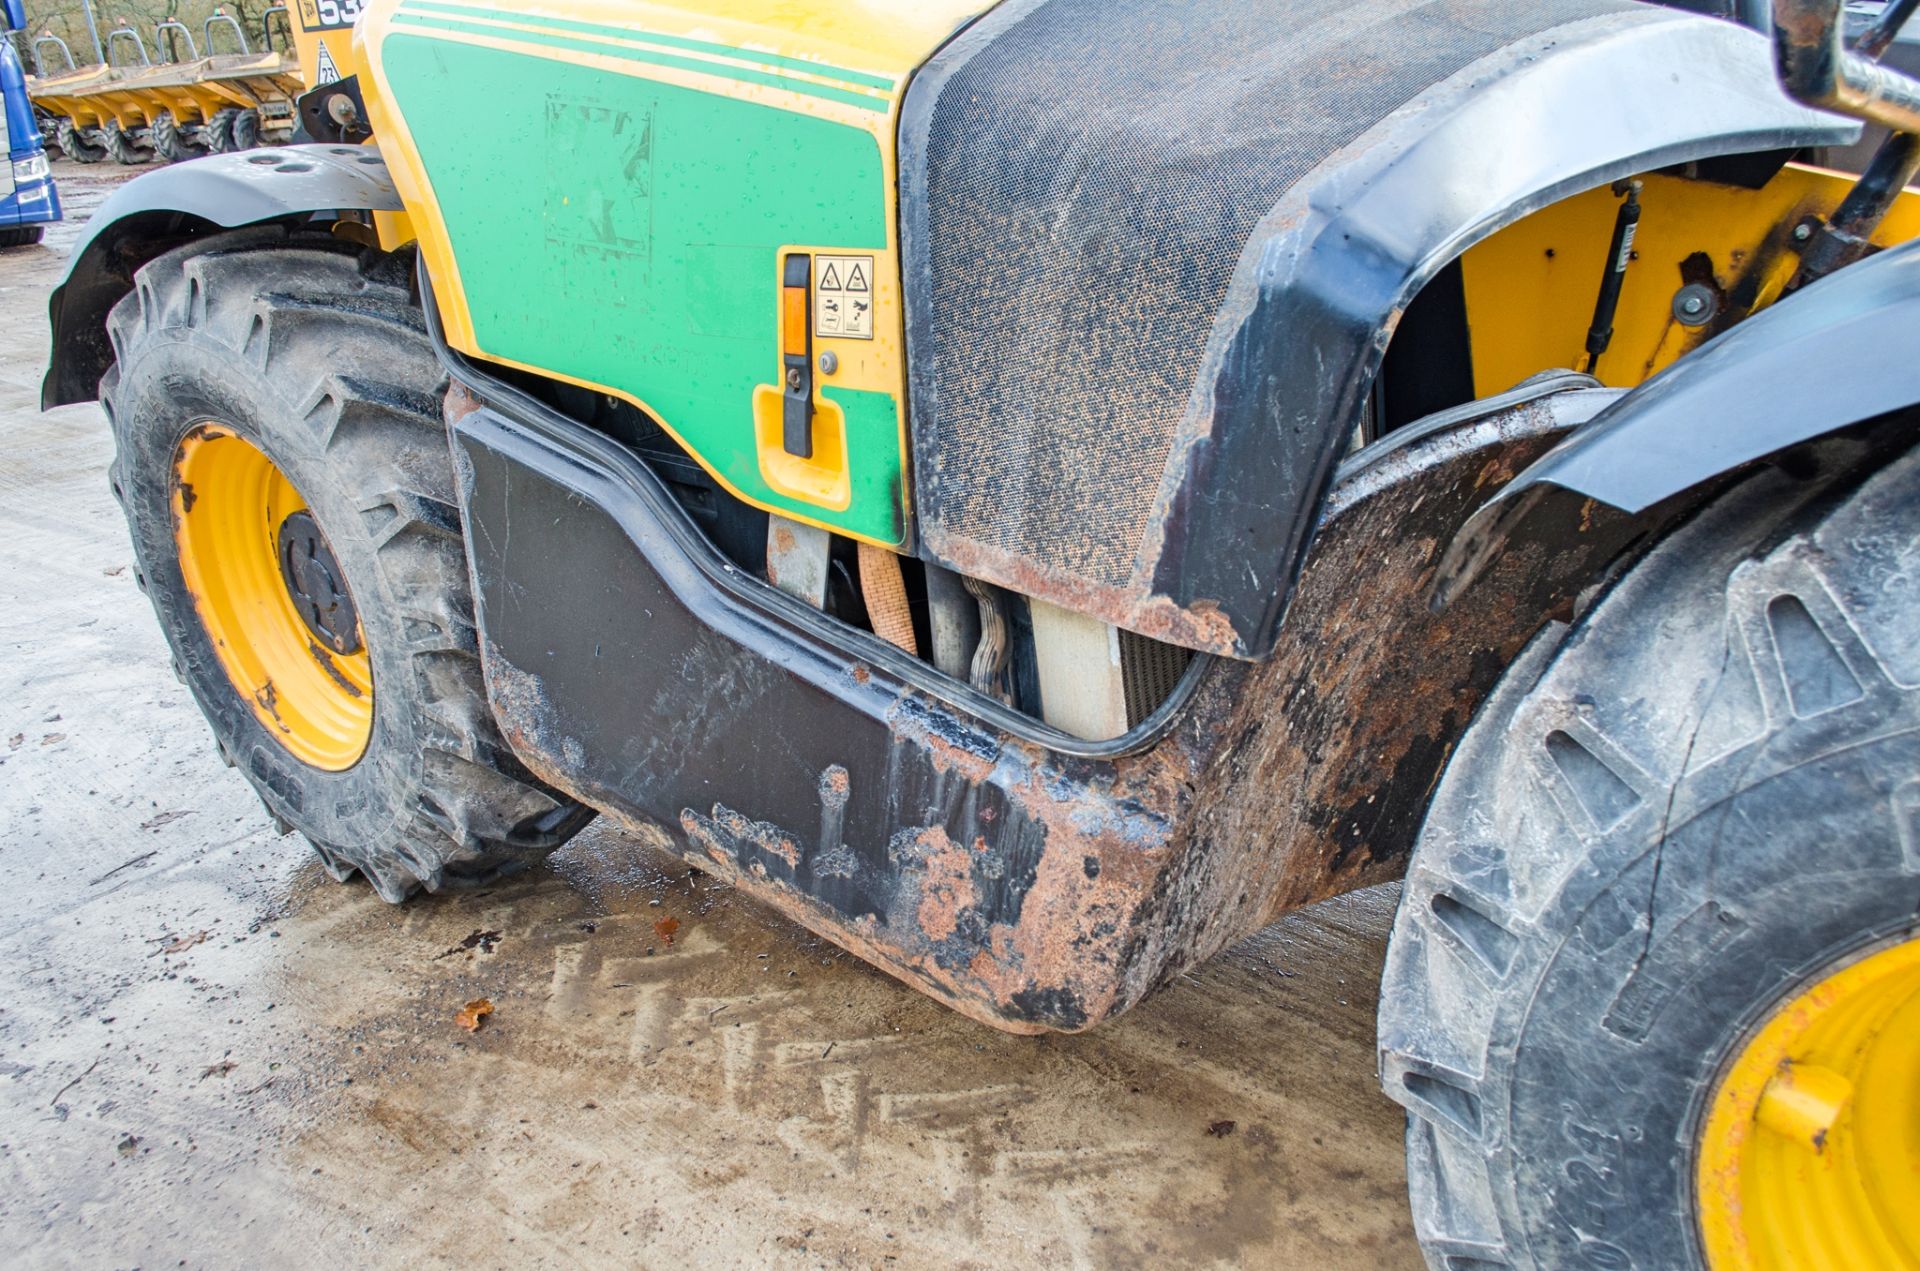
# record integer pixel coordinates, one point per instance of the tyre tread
(1566, 758)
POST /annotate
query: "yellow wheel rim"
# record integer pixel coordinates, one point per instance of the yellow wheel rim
(1810, 1156)
(230, 506)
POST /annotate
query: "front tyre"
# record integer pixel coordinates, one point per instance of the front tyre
(244, 131)
(1653, 995)
(285, 474)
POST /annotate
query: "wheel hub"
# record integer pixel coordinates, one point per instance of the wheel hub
(312, 575)
(1806, 1156)
(272, 597)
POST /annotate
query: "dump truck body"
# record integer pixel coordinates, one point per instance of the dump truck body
(224, 90)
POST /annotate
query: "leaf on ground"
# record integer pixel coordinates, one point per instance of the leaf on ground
(220, 1069)
(52, 738)
(183, 943)
(128, 1146)
(665, 929)
(115, 572)
(16, 741)
(165, 818)
(1221, 1129)
(470, 1016)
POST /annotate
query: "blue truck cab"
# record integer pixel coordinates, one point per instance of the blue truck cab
(28, 200)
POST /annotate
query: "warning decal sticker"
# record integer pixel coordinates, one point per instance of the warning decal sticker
(326, 72)
(843, 297)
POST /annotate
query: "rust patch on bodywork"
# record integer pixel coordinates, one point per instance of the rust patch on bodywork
(946, 882)
(1201, 625)
(458, 403)
(1023, 918)
(741, 830)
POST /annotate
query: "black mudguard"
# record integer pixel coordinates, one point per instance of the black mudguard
(166, 207)
(1155, 251)
(1836, 354)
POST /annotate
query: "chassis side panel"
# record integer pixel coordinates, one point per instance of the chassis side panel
(1029, 889)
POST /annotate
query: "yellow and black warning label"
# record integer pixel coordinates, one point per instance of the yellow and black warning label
(843, 297)
(329, 15)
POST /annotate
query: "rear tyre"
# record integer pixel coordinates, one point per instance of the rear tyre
(21, 235)
(219, 130)
(170, 143)
(75, 145)
(246, 130)
(1666, 847)
(120, 144)
(286, 478)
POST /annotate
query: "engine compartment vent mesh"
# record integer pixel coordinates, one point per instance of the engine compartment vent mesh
(1149, 670)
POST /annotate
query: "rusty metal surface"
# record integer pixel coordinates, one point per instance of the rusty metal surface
(1026, 889)
(1334, 744)
(1815, 65)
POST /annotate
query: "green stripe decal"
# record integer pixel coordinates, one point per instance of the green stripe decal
(823, 69)
(411, 22)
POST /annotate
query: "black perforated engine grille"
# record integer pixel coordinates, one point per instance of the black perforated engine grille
(1080, 179)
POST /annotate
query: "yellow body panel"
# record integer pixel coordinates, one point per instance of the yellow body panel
(1531, 287)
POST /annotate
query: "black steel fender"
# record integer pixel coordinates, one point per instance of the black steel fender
(170, 205)
(1838, 353)
(1245, 453)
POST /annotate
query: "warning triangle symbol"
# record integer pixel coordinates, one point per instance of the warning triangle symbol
(326, 72)
(857, 279)
(832, 281)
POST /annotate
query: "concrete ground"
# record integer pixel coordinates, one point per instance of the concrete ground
(210, 1054)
